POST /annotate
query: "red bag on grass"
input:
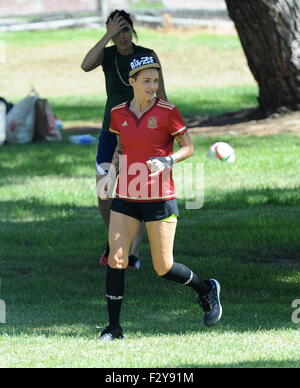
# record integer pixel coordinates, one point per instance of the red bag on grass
(45, 122)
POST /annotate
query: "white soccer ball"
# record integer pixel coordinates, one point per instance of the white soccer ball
(222, 151)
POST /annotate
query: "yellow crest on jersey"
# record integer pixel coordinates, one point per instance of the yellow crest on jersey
(152, 123)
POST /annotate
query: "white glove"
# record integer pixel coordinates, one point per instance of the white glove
(159, 163)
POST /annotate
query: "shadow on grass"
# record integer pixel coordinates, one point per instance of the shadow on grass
(49, 253)
(203, 101)
(248, 364)
(213, 104)
(45, 159)
(52, 284)
(81, 110)
(248, 198)
(203, 107)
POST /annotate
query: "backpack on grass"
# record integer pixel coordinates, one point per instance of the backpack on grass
(45, 122)
(20, 121)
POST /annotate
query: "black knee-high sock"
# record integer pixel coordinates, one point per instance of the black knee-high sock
(115, 284)
(179, 273)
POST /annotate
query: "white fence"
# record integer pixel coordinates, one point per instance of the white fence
(18, 15)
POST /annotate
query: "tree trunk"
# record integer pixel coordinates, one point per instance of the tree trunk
(269, 31)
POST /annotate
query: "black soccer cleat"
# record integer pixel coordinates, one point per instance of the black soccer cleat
(111, 333)
(211, 304)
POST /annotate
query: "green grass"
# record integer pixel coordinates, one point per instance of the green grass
(169, 40)
(205, 101)
(51, 235)
(144, 4)
(217, 80)
(246, 235)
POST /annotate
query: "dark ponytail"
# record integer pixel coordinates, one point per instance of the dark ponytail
(125, 16)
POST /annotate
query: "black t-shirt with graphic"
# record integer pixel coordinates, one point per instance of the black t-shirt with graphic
(116, 88)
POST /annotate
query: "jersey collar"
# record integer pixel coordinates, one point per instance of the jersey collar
(139, 120)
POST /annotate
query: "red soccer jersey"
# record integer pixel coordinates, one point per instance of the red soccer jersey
(151, 135)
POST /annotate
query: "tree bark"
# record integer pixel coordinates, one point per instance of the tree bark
(269, 31)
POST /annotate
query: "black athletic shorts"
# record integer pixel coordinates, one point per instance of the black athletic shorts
(146, 211)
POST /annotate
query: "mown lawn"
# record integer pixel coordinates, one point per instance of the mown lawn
(215, 79)
(246, 235)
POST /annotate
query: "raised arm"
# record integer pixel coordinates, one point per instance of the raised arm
(94, 58)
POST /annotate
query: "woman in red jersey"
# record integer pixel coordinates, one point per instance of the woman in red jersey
(146, 127)
(114, 61)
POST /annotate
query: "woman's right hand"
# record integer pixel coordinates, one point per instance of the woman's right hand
(115, 25)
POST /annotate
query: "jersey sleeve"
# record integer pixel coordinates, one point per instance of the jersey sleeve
(176, 123)
(113, 124)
